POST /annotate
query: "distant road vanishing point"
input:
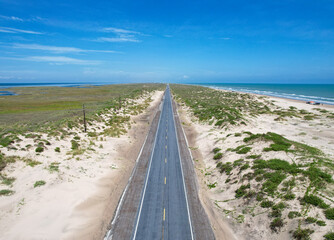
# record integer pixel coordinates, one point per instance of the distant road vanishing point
(161, 199)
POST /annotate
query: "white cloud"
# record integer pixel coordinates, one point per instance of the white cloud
(57, 49)
(55, 60)
(119, 31)
(120, 35)
(15, 30)
(225, 38)
(118, 39)
(185, 76)
(11, 18)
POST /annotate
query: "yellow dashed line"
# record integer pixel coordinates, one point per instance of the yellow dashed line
(165, 180)
(165, 160)
(164, 214)
(166, 146)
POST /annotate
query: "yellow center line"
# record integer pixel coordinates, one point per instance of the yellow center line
(164, 214)
(165, 180)
(165, 160)
(166, 146)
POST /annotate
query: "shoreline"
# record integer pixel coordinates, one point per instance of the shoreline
(330, 106)
(259, 94)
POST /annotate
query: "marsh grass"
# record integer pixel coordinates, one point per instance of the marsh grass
(53, 109)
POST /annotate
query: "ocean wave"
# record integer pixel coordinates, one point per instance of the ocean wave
(324, 100)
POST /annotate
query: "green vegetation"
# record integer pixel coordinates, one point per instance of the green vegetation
(293, 214)
(57, 149)
(216, 150)
(7, 180)
(39, 183)
(267, 204)
(75, 145)
(52, 110)
(315, 201)
(241, 191)
(6, 192)
(302, 234)
(225, 167)
(218, 156)
(39, 149)
(222, 109)
(276, 224)
(329, 236)
(244, 150)
(54, 167)
(329, 213)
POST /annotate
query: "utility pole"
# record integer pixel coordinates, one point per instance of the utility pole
(120, 102)
(84, 114)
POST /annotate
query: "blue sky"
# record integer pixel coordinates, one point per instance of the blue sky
(287, 41)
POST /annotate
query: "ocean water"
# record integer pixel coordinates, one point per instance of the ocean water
(10, 85)
(322, 93)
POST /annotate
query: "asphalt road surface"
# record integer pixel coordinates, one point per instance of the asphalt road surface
(161, 199)
(163, 212)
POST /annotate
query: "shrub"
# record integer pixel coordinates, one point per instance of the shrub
(276, 213)
(6, 192)
(54, 167)
(244, 150)
(267, 204)
(75, 145)
(329, 236)
(212, 185)
(39, 183)
(289, 196)
(278, 206)
(227, 167)
(273, 180)
(238, 162)
(39, 149)
(218, 156)
(302, 234)
(216, 149)
(315, 201)
(244, 167)
(237, 134)
(310, 220)
(293, 214)
(329, 213)
(57, 149)
(241, 191)
(76, 138)
(321, 223)
(276, 224)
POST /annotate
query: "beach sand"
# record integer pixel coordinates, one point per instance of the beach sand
(81, 192)
(231, 217)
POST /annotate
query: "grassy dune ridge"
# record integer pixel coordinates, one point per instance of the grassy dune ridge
(283, 182)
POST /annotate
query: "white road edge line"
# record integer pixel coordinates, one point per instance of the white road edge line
(184, 185)
(149, 171)
(108, 236)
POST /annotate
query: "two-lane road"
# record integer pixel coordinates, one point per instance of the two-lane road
(163, 212)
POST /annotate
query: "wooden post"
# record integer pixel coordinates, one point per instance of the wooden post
(84, 114)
